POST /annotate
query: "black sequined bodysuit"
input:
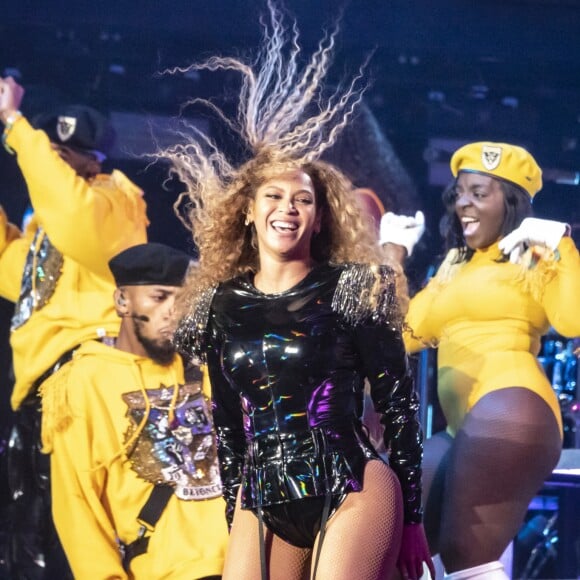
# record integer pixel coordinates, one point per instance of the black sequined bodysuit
(287, 373)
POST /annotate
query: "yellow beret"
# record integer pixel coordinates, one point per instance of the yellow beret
(501, 160)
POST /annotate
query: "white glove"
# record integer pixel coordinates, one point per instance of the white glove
(402, 230)
(533, 231)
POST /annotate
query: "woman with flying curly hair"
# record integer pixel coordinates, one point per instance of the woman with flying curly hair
(291, 311)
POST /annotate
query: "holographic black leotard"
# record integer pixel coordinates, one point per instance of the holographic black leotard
(287, 373)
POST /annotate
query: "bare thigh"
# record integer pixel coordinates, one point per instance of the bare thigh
(363, 537)
(506, 448)
(436, 453)
(284, 561)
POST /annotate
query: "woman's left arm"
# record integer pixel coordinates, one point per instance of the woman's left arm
(561, 295)
(395, 399)
(231, 443)
(553, 269)
(386, 365)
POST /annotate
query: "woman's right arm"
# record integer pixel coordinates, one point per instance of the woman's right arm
(197, 337)
(398, 236)
(560, 297)
(227, 417)
(418, 332)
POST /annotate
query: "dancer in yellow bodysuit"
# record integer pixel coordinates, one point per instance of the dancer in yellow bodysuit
(506, 279)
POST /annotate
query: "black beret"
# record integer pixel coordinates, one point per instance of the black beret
(149, 264)
(79, 127)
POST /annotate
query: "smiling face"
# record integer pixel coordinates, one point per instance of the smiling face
(480, 208)
(285, 214)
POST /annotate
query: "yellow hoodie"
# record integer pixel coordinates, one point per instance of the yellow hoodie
(77, 227)
(122, 427)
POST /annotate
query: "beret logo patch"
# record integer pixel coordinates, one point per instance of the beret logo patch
(490, 157)
(65, 127)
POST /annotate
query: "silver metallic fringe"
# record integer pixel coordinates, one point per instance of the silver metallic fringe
(42, 271)
(189, 337)
(366, 293)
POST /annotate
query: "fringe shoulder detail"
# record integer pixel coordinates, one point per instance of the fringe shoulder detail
(367, 293)
(538, 266)
(190, 336)
(56, 411)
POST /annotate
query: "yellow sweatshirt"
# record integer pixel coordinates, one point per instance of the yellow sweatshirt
(56, 271)
(487, 319)
(116, 425)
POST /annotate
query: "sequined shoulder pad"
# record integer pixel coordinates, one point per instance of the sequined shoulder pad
(366, 293)
(190, 336)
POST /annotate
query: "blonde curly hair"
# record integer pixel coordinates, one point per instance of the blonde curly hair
(272, 123)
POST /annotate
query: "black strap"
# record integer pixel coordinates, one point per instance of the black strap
(322, 533)
(263, 566)
(148, 516)
(155, 504)
(134, 549)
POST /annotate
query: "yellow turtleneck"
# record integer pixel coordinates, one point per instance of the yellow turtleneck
(487, 318)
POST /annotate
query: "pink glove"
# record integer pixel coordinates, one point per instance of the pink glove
(533, 231)
(402, 230)
(414, 552)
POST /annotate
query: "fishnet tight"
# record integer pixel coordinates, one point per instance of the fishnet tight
(362, 538)
(478, 486)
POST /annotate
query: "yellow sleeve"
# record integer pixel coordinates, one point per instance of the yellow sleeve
(561, 297)
(13, 249)
(89, 222)
(418, 333)
(205, 383)
(421, 332)
(83, 525)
